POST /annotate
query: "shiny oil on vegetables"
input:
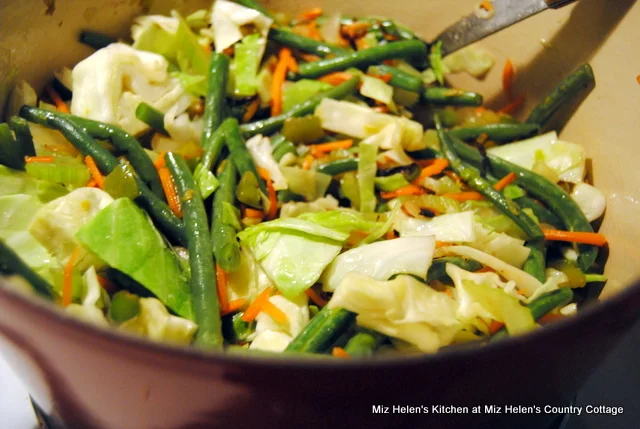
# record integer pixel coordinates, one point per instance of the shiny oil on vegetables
(243, 179)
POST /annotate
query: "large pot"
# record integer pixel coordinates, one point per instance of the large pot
(83, 377)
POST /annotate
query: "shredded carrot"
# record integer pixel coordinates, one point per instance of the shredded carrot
(160, 162)
(440, 244)
(55, 97)
(437, 166)
(390, 235)
(234, 306)
(505, 181)
(340, 353)
(550, 317)
(221, 285)
(514, 105)
(67, 283)
(390, 62)
(264, 173)
(309, 57)
(386, 77)
(310, 14)
(279, 76)
(464, 196)
(593, 238)
(485, 269)
(449, 292)
(495, 326)
(320, 149)
(91, 184)
(95, 172)
(381, 109)
(453, 176)
(32, 159)
(487, 5)
(107, 284)
(315, 298)
(169, 188)
(404, 191)
(308, 161)
(274, 312)
(293, 64)
(336, 78)
(507, 78)
(252, 108)
(253, 213)
(314, 32)
(355, 30)
(273, 201)
(256, 306)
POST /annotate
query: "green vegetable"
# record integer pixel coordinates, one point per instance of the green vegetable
(513, 192)
(591, 278)
(124, 306)
(214, 107)
(248, 190)
(363, 58)
(475, 181)
(378, 90)
(240, 154)
(304, 129)
(10, 263)
(268, 126)
(536, 262)
(235, 329)
(298, 92)
(308, 183)
(438, 268)
(296, 41)
(339, 166)
(435, 59)
(223, 233)
(543, 214)
(121, 183)
(451, 97)
(246, 62)
(14, 182)
(11, 153)
(20, 127)
(391, 183)
(67, 172)
(562, 94)
(366, 176)
(364, 343)
(399, 78)
(497, 132)
(281, 147)
(151, 116)
(350, 189)
(322, 331)
(202, 174)
(198, 19)
(203, 277)
(122, 236)
(96, 40)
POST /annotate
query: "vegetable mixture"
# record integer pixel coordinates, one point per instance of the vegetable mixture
(249, 180)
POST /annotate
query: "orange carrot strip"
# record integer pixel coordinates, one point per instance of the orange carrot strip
(437, 166)
(233, 306)
(310, 14)
(169, 188)
(381, 109)
(55, 97)
(292, 65)
(274, 312)
(91, 184)
(550, 317)
(340, 353)
(464, 196)
(95, 172)
(355, 30)
(159, 162)
(256, 306)
(320, 149)
(221, 285)
(32, 159)
(272, 212)
(315, 298)
(440, 244)
(67, 280)
(336, 78)
(404, 191)
(505, 181)
(309, 57)
(507, 78)
(386, 77)
(313, 31)
(253, 213)
(264, 173)
(107, 284)
(390, 235)
(495, 326)
(252, 108)
(279, 76)
(308, 162)
(593, 238)
(514, 105)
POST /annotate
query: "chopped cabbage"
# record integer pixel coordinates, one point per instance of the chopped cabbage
(472, 59)
(295, 209)
(449, 228)
(403, 308)
(272, 336)
(260, 149)
(246, 63)
(154, 322)
(249, 280)
(308, 183)
(377, 89)
(300, 91)
(590, 199)
(227, 20)
(509, 249)
(565, 159)
(382, 260)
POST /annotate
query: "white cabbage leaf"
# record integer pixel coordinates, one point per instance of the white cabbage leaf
(448, 228)
(295, 209)
(272, 336)
(227, 20)
(261, 152)
(156, 323)
(590, 199)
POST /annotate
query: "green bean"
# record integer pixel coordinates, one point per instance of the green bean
(339, 166)
(296, 41)
(472, 177)
(10, 263)
(270, 125)
(151, 116)
(451, 97)
(106, 162)
(203, 275)
(541, 306)
(562, 94)
(501, 133)
(96, 40)
(21, 129)
(554, 197)
(322, 331)
(536, 261)
(397, 30)
(281, 148)
(215, 102)
(364, 343)
(399, 78)
(240, 154)
(10, 151)
(363, 58)
(225, 245)
(438, 268)
(212, 153)
(254, 4)
(543, 214)
(286, 196)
